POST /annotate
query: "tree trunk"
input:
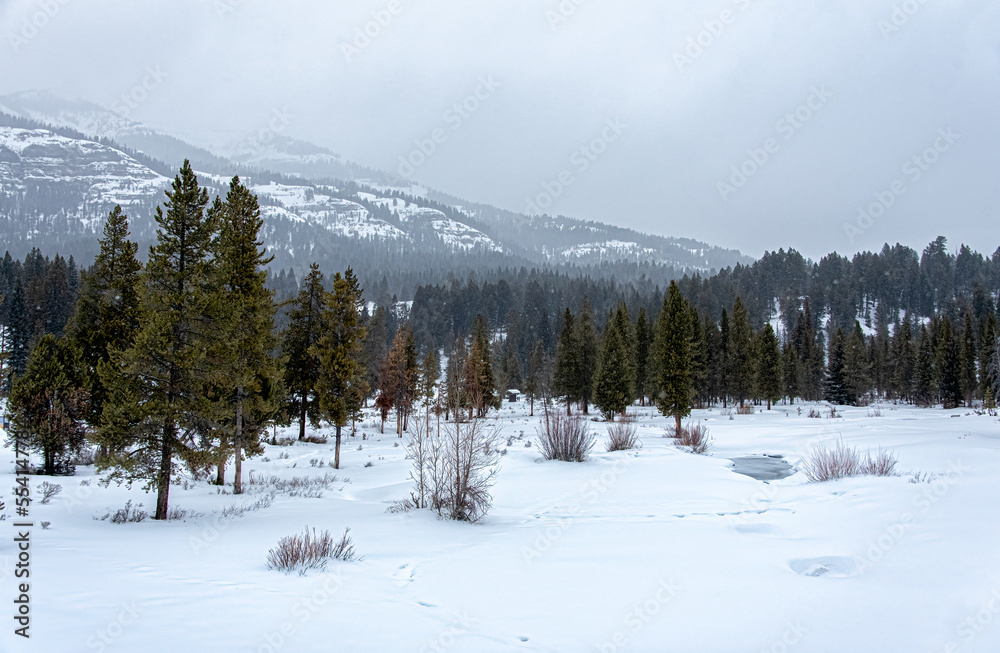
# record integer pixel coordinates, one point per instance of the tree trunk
(677, 425)
(532, 413)
(163, 476)
(568, 411)
(220, 472)
(302, 419)
(769, 404)
(336, 455)
(238, 445)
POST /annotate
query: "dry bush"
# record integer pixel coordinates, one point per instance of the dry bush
(844, 461)
(48, 490)
(744, 410)
(284, 442)
(128, 514)
(315, 439)
(883, 463)
(623, 435)
(310, 487)
(565, 438)
(309, 551)
(695, 437)
(815, 414)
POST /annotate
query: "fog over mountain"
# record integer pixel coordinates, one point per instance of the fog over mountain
(744, 124)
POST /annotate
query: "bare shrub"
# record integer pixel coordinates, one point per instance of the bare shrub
(48, 490)
(310, 551)
(310, 487)
(623, 435)
(284, 442)
(844, 461)
(454, 469)
(234, 510)
(177, 514)
(883, 463)
(694, 437)
(815, 414)
(84, 457)
(744, 410)
(875, 411)
(128, 514)
(561, 437)
(315, 439)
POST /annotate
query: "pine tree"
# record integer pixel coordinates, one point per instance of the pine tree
(375, 348)
(250, 381)
(430, 373)
(20, 333)
(740, 369)
(341, 382)
(399, 377)
(725, 382)
(302, 369)
(479, 383)
(949, 383)
(790, 372)
(768, 368)
(49, 403)
(968, 360)
(836, 385)
(923, 377)
(108, 311)
(699, 359)
(643, 341)
(904, 359)
(857, 376)
(537, 381)
(987, 351)
(672, 352)
(613, 383)
(567, 374)
(586, 340)
(158, 403)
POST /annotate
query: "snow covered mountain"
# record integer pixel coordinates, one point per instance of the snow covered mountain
(64, 164)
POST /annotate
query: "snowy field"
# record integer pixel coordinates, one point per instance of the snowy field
(649, 550)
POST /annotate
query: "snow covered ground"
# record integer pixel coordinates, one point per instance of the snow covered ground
(650, 550)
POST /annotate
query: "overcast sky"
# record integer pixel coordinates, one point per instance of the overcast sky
(823, 104)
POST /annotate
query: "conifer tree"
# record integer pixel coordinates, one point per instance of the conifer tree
(725, 384)
(565, 381)
(536, 382)
(987, 351)
(305, 326)
(643, 342)
(399, 377)
(250, 379)
(430, 372)
(375, 348)
(740, 369)
(836, 385)
(107, 314)
(949, 383)
(158, 403)
(49, 403)
(768, 368)
(857, 377)
(968, 361)
(790, 372)
(341, 382)
(20, 334)
(923, 377)
(479, 384)
(699, 359)
(586, 340)
(613, 383)
(672, 351)
(904, 360)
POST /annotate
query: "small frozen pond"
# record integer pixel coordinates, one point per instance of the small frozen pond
(766, 467)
